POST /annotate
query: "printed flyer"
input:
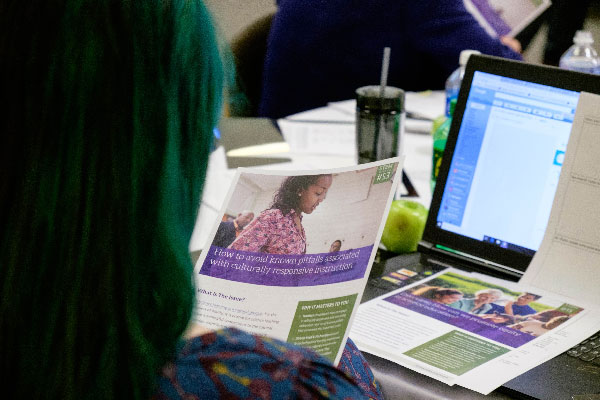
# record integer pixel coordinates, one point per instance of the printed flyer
(470, 329)
(291, 253)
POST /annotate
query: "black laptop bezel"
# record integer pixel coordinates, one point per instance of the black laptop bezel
(545, 75)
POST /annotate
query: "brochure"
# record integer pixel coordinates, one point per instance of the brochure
(505, 17)
(480, 332)
(297, 271)
(438, 327)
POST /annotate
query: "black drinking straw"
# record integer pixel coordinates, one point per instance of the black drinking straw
(382, 84)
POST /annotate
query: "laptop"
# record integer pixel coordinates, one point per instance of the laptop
(495, 189)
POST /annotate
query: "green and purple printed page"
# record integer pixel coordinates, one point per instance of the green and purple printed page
(470, 329)
(291, 253)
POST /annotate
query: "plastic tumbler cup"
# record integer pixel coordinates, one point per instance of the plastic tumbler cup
(379, 122)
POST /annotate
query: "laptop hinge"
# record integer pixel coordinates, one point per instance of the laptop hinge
(467, 261)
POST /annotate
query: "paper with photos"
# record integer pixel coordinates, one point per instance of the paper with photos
(298, 268)
(568, 260)
(470, 329)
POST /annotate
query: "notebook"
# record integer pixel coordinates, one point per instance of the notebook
(496, 184)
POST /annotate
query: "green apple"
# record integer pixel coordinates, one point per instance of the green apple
(404, 226)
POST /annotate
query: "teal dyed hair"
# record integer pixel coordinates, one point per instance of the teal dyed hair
(105, 129)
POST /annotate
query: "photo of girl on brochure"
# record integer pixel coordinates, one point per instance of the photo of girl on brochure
(278, 229)
(304, 229)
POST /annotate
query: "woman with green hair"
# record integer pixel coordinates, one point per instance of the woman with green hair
(106, 126)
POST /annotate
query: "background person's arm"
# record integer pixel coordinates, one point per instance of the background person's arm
(512, 43)
(445, 27)
(508, 308)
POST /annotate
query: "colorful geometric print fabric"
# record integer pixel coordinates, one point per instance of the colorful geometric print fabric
(231, 364)
(353, 363)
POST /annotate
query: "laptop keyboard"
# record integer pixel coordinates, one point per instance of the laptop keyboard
(588, 350)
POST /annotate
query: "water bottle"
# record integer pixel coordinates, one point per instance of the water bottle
(440, 137)
(455, 79)
(581, 56)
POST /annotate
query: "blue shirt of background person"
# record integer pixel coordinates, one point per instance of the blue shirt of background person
(323, 50)
(229, 230)
(495, 308)
(521, 305)
(518, 307)
(522, 310)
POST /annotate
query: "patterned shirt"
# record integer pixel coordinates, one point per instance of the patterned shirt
(272, 232)
(233, 364)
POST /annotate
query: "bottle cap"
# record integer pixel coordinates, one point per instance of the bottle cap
(583, 37)
(368, 98)
(464, 56)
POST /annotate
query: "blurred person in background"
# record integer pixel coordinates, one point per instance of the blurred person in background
(323, 50)
(563, 18)
(229, 230)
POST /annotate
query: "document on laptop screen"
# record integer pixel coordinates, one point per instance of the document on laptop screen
(568, 260)
(480, 332)
(507, 161)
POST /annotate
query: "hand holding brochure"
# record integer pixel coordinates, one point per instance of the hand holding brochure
(297, 271)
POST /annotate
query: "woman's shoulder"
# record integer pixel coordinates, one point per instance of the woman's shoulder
(273, 214)
(232, 363)
(270, 212)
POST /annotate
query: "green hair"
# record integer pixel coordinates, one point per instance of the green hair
(105, 133)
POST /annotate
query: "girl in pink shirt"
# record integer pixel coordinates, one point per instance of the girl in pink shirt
(278, 229)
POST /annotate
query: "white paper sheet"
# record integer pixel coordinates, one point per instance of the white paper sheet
(319, 138)
(461, 347)
(568, 260)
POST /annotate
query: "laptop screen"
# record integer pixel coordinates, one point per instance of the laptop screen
(502, 161)
(507, 161)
